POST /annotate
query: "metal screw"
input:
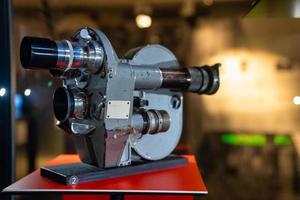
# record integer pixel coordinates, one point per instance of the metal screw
(84, 34)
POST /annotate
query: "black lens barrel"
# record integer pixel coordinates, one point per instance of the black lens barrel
(63, 104)
(38, 53)
(211, 80)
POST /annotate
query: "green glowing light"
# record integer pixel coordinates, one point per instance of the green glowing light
(282, 140)
(245, 139)
(50, 83)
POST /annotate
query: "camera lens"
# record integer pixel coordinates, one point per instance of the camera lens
(43, 53)
(38, 53)
(63, 104)
(201, 80)
(67, 104)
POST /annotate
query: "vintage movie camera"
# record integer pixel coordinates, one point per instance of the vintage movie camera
(117, 109)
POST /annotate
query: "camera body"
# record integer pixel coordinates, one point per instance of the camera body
(117, 110)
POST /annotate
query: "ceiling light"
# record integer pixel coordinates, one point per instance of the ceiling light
(296, 100)
(2, 92)
(27, 92)
(143, 21)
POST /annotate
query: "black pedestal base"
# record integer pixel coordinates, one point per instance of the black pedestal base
(74, 173)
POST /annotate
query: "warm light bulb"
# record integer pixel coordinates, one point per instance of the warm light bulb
(296, 100)
(143, 21)
(27, 92)
(2, 92)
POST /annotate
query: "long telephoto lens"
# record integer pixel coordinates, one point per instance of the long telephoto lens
(201, 80)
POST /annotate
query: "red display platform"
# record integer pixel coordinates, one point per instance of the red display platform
(184, 181)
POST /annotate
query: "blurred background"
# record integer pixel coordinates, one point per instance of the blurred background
(246, 137)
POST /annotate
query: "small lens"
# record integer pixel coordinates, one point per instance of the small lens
(63, 104)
